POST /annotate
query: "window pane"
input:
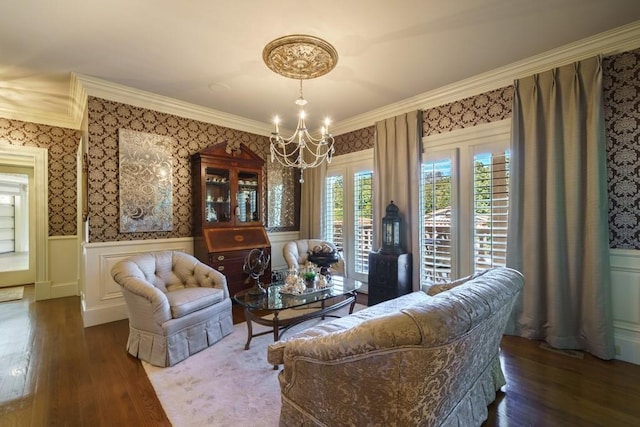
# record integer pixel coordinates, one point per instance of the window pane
(436, 211)
(491, 207)
(332, 227)
(363, 219)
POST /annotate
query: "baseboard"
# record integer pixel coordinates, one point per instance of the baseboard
(43, 290)
(627, 345)
(47, 290)
(103, 314)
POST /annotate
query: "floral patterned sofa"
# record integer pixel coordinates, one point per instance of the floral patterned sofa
(419, 359)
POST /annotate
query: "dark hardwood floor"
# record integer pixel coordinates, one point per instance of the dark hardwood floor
(55, 372)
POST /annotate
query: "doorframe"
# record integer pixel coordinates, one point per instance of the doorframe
(38, 159)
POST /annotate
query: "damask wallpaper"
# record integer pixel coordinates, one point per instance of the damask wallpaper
(484, 108)
(105, 119)
(473, 111)
(357, 140)
(622, 120)
(62, 145)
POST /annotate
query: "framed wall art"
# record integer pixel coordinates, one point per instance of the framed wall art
(146, 182)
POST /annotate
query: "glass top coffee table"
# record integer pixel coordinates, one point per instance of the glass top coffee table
(269, 308)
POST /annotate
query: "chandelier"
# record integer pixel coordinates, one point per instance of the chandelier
(300, 57)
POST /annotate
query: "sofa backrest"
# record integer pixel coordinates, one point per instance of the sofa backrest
(456, 311)
(296, 252)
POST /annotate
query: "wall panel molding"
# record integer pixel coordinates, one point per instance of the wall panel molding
(102, 300)
(625, 291)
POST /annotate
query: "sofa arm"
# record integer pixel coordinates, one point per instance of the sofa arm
(144, 301)
(209, 277)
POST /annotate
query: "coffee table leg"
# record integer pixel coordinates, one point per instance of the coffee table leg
(276, 332)
(353, 303)
(276, 327)
(247, 317)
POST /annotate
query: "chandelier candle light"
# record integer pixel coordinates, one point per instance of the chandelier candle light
(300, 57)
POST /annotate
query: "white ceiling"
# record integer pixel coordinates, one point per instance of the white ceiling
(209, 52)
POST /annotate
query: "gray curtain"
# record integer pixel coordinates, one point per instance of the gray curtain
(396, 176)
(311, 202)
(558, 226)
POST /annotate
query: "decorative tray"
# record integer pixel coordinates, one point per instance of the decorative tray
(306, 293)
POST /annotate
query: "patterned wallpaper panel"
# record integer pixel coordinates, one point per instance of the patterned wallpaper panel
(105, 118)
(622, 119)
(62, 145)
(473, 111)
(357, 140)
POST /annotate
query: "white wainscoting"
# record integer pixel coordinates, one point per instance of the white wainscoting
(625, 289)
(278, 240)
(102, 300)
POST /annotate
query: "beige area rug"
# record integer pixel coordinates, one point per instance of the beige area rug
(224, 385)
(11, 294)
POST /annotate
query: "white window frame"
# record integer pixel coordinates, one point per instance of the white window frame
(348, 165)
(465, 144)
(437, 155)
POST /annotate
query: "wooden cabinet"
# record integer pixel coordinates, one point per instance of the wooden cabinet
(228, 210)
(389, 276)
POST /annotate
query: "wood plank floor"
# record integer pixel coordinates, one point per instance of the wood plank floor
(55, 372)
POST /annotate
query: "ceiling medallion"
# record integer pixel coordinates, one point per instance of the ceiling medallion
(299, 56)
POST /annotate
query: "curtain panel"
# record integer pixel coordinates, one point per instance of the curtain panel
(396, 176)
(558, 225)
(312, 202)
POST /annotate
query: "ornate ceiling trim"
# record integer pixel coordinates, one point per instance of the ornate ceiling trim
(299, 56)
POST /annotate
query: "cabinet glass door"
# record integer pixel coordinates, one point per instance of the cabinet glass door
(248, 197)
(217, 197)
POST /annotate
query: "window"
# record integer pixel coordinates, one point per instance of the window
(347, 218)
(490, 209)
(362, 220)
(334, 210)
(464, 202)
(436, 207)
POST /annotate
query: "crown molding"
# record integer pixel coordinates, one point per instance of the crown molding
(611, 42)
(41, 117)
(77, 100)
(119, 93)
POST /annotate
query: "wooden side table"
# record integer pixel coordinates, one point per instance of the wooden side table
(389, 276)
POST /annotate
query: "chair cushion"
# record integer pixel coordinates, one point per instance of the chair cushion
(187, 300)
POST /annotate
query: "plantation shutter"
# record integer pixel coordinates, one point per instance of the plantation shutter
(332, 229)
(491, 207)
(436, 207)
(363, 219)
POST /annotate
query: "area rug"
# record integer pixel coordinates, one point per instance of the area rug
(224, 385)
(11, 294)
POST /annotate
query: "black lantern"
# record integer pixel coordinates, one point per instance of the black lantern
(391, 231)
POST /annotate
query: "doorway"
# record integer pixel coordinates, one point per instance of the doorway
(31, 223)
(17, 264)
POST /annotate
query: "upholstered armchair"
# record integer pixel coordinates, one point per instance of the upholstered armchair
(296, 253)
(177, 305)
